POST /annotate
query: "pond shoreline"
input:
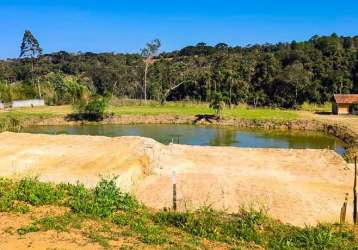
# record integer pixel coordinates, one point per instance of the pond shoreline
(345, 134)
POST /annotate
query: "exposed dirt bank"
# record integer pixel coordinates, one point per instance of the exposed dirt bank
(295, 186)
(345, 129)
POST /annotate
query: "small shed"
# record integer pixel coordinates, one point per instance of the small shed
(27, 103)
(2, 106)
(342, 103)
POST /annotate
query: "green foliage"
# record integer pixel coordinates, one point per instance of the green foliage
(17, 196)
(140, 222)
(276, 75)
(92, 110)
(217, 103)
(316, 238)
(9, 123)
(106, 203)
(215, 225)
(30, 47)
(38, 193)
(62, 89)
(153, 235)
(255, 227)
(16, 91)
(99, 239)
(27, 229)
(96, 107)
(60, 223)
(102, 201)
(7, 195)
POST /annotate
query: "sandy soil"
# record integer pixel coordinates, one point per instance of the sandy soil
(295, 186)
(9, 239)
(349, 121)
(73, 238)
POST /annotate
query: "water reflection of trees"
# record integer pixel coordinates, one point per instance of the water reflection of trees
(223, 137)
(314, 142)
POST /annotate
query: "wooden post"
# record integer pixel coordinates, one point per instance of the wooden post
(174, 191)
(344, 210)
(355, 192)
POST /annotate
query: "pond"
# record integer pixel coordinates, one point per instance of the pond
(196, 135)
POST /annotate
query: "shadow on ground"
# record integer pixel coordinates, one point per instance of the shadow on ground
(207, 118)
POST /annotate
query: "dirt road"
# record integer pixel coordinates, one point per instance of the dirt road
(295, 186)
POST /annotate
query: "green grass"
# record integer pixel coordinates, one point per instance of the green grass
(326, 107)
(15, 120)
(117, 214)
(20, 116)
(190, 109)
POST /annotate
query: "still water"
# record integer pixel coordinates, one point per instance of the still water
(194, 135)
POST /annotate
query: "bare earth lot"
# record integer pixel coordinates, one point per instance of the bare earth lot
(295, 186)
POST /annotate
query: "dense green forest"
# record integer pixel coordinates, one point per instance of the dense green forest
(278, 75)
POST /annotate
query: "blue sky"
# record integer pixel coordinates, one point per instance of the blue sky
(126, 25)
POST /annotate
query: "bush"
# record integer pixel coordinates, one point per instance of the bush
(217, 103)
(102, 201)
(7, 195)
(38, 193)
(15, 196)
(92, 110)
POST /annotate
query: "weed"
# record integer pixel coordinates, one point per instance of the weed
(215, 225)
(28, 229)
(103, 201)
(107, 204)
(315, 238)
(99, 239)
(140, 222)
(153, 235)
(38, 193)
(60, 223)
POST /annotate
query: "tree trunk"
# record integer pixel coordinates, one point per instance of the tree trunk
(39, 89)
(230, 96)
(33, 78)
(145, 81)
(296, 95)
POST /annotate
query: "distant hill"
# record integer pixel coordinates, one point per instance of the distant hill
(282, 74)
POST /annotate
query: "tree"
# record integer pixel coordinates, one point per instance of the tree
(217, 103)
(169, 76)
(30, 48)
(280, 75)
(92, 109)
(148, 53)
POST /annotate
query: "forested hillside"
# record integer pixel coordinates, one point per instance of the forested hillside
(280, 75)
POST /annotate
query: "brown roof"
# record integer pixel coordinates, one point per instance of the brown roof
(346, 99)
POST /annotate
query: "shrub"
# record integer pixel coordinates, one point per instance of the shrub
(217, 103)
(92, 110)
(38, 193)
(105, 199)
(7, 195)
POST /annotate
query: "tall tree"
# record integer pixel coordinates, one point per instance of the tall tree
(30, 48)
(151, 50)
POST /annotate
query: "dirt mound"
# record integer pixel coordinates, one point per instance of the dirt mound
(296, 186)
(70, 159)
